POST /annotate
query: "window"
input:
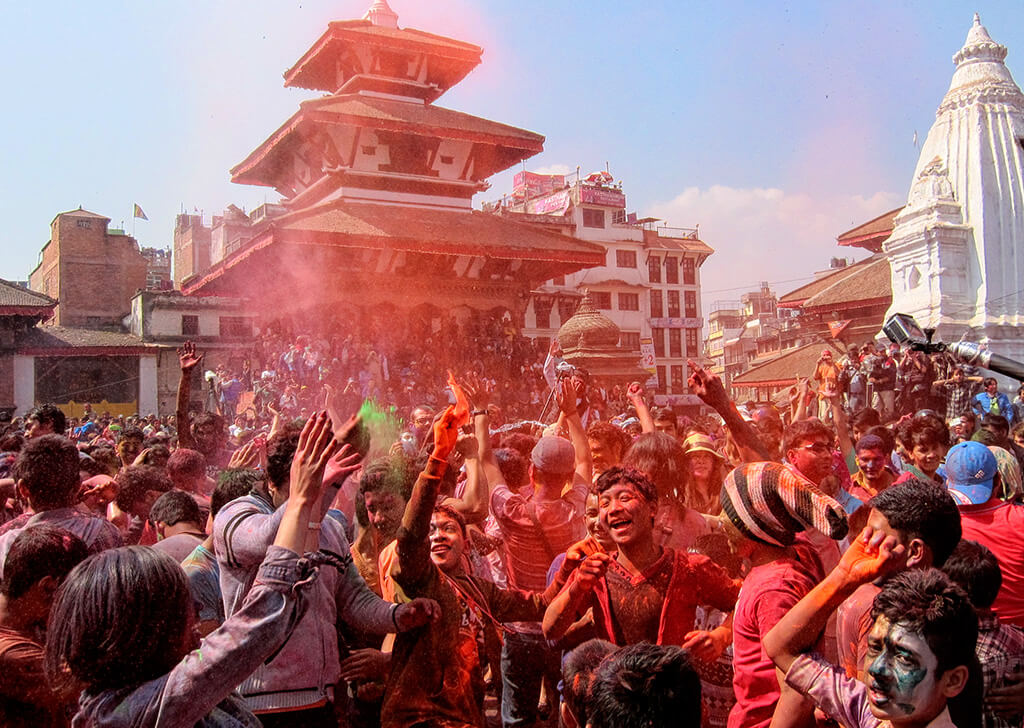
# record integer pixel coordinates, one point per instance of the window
(190, 326)
(689, 272)
(671, 270)
(447, 159)
(630, 340)
(690, 299)
(675, 342)
(691, 342)
(654, 269)
(659, 341)
(235, 326)
(656, 309)
(601, 300)
(593, 218)
(678, 383)
(625, 258)
(673, 304)
(542, 311)
(662, 382)
(83, 223)
(629, 301)
(566, 308)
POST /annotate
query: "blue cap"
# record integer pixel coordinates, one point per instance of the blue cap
(970, 470)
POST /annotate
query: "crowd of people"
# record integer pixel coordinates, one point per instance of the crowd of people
(852, 558)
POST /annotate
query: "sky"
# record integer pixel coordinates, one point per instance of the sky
(773, 126)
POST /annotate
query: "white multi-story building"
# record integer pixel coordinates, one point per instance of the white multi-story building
(649, 284)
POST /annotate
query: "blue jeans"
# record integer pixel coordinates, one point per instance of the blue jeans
(525, 660)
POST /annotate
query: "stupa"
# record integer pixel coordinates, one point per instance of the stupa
(377, 184)
(957, 249)
(590, 341)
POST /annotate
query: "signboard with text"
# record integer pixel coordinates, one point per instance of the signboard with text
(557, 202)
(531, 184)
(602, 196)
(677, 323)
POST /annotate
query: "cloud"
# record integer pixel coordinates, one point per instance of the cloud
(768, 234)
(554, 169)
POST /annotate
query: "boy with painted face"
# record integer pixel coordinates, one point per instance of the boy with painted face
(920, 647)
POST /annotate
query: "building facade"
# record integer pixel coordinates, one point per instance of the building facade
(647, 282)
(91, 270)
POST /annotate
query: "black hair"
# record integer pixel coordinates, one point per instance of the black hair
(454, 515)
(519, 441)
(134, 481)
(48, 468)
(885, 435)
(116, 619)
(513, 466)
(631, 476)
(922, 429)
(233, 483)
(646, 685)
(662, 459)
(976, 570)
(613, 437)
(40, 550)
(280, 453)
(923, 510)
(175, 506)
(806, 430)
(185, 464)
(927, 602)
(864, 418)
(133, 432)
(578, 670)
(49, 414)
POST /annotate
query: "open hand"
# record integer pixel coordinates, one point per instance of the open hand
(341, 465)
(247, 456)
(187, 356)
(706, 385)
(872, 555)
(316, 447)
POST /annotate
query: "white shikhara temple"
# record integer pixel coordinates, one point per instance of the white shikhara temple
(957, 250)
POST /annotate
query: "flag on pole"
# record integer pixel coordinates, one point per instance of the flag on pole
(137, 212)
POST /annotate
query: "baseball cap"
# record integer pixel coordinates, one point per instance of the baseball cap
(553, 455)
(970, 470)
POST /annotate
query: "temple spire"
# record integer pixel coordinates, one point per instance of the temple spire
(380, 14)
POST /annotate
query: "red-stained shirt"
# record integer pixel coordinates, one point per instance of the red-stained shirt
(998, 526)
(768, 592)
(25, 699)
(529, 553)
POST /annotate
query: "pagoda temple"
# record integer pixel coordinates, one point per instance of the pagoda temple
(377, 185)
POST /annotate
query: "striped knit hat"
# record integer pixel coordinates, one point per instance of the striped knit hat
(770, 503)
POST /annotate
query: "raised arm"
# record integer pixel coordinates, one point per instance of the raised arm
(413, 544)
(842, 424)
(567, 396)
(188, 360)
(564, 609)
(709, 388)
(635, 394)
(870, 556)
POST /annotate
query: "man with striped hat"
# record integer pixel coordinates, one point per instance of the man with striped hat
(765, 506)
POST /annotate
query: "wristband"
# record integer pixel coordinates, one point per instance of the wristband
(394, 617)
(313, 525)
(477, 413)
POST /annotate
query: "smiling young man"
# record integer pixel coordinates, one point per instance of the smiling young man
(436, 674)
(920, 647)
(647, 593)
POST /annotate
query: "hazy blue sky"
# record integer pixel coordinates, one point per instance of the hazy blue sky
(775, 126)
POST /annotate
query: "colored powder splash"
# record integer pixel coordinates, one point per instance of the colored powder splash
(383, 426)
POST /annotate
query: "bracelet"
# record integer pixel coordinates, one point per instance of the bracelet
(313, 525)
(394, 617)
(478, 412)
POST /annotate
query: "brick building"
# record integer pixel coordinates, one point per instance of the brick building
(92, 270)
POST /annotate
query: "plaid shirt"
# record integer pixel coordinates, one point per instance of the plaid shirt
(1000, 651)
(958, 399)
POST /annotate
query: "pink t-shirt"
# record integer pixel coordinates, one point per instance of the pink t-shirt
(998, 526)
(768, 592)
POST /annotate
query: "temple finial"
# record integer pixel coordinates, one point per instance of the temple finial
(380, 14)
(977, 19)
